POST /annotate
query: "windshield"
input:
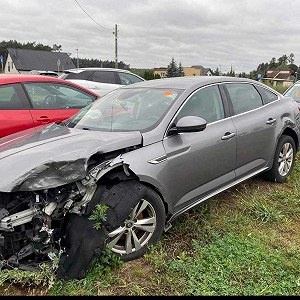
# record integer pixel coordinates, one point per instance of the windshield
(294, 92)
(136, 109)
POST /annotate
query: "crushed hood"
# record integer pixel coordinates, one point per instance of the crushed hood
(54, 155)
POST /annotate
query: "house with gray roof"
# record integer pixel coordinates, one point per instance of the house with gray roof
(25, 60)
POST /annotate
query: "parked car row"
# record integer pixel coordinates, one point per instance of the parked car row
(148, 151)
(27, 101)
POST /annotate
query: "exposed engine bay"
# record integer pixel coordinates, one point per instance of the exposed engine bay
(37, 226)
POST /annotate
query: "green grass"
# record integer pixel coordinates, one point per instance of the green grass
(237, 264)
(244, 241)
(279, 88)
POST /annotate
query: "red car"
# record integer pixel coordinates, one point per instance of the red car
(31, 100)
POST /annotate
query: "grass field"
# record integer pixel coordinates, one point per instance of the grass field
(244, 241)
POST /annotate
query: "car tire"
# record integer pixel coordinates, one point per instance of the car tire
(151, 211)
(284, 160)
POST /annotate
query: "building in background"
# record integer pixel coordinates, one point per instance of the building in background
(196, 70)
(25, 60)
(284, 77)
(162, 72)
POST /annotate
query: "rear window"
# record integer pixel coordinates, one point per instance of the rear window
(126, 78)
(267, 95)
(244, 97)
(104, 77)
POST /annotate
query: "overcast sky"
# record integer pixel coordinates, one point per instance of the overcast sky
(212, 33)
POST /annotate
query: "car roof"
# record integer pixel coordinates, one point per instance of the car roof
(18, 78)
(15, 78)
(98, 69)
(188, 82)
(79, 70)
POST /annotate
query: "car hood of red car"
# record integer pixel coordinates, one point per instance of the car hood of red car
(54, 155)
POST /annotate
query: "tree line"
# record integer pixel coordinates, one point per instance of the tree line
(83, 62)
(283, 62)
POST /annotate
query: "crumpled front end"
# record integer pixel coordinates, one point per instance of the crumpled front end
(49, 188)
(37, 226)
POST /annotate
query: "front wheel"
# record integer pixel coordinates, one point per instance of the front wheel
(144, 226)
(284, 160)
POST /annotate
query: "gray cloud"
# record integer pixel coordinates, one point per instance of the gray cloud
(212, 33)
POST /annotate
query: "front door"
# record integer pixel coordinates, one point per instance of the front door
(201, 162)
(52, 102)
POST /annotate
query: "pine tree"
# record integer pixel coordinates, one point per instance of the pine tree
(180, 70)
(172, 69)
(216, 72)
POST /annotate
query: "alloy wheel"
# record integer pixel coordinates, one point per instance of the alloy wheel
(136, 230)
(285, 159)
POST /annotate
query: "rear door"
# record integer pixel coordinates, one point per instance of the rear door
(256, 128)
(52, 102)
(14, 110)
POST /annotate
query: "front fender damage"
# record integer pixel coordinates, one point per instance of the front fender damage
(56, 219)
(84, 242)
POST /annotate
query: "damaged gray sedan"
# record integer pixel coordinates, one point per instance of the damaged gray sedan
(146, 152)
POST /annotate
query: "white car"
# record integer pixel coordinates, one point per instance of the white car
(101, 80)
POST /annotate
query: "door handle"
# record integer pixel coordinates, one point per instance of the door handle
(227, 136)
(43, 119)
(271, 121)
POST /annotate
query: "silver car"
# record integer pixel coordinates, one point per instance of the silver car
(139, 157)
(101, 80)
(294, 92)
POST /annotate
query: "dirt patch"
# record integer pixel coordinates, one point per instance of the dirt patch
(18, 290)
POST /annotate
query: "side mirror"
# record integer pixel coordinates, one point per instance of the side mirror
(188, 124)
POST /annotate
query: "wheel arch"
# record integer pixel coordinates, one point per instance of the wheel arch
(119, 174)
(290, 132)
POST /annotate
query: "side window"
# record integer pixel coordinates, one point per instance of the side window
(56, 96)
(82, 75)
(128, 78)
(104, 77)
(267, 95)
(10, 97)
(206, 103)
(244, 97)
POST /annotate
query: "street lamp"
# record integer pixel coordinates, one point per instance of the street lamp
(77, 59)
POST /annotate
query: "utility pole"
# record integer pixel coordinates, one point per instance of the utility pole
(116, 45)
(77, 59)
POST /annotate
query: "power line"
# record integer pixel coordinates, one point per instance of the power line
(91, 17)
